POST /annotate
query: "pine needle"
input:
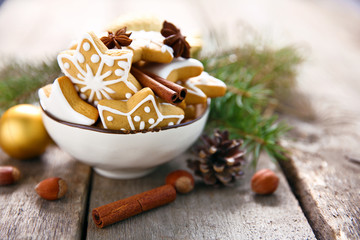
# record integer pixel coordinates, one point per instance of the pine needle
(257, 80)
(19, 82)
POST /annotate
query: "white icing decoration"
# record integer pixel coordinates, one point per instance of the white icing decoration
(76, 88)
(80, 57)
(122, 129)
(66, 65)
(170, 124)
(86, 46)
(95, 58)
(206, 79)
(110, 118)
(83, 96)
(119, 72)
(128, 95)
(192, 89)
(58, 106)
(164, 69)
(203, 79)
(147, 109)
(123, 65)
(151, 121)
(146, 39)
(142, 125)
(95, 81)
(137, 119)
(109, 61)
(167, 48)
(96, 103)
(160, 116)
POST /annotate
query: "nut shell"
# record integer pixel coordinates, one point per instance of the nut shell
(264, 181)
(9, 175)
(182, 180)
(51, 188)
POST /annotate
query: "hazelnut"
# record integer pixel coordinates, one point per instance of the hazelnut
(264, 181)
(9, 175)
(51, 188)
(181, 180)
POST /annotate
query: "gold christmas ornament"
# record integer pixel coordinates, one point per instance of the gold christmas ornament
(22, 132)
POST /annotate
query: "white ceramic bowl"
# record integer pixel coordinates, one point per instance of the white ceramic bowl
(118, 155)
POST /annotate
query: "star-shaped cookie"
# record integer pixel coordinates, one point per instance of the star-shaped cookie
(178, 70)
(97, 72)
(141, 111)
(62, 101)
(148, 46)
(209, 85)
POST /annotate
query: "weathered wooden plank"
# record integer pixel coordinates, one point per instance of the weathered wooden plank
(324, 180)
(205, 213)
(24, 215)
(328, 188)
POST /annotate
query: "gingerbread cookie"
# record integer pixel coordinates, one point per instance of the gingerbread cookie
(149, 46)
(99, 73)
(141, 111)
(136, 22)
(209, 85)
(179, 69)
(62, 101)
(194, 95)
(146, 46)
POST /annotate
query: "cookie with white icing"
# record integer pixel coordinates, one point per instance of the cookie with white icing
(194, 94)
(61, 100)
(202, 87)
(141, 111)
(178, 70)
(148, 46)
(97, 72)
(209, 85)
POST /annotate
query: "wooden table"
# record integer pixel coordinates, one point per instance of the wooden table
(319, 192)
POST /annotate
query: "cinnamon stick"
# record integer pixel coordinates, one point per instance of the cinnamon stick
(176, 87)
(169, 91)
(125, 208)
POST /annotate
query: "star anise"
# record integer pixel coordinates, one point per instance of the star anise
(119, 39)
(176, 40)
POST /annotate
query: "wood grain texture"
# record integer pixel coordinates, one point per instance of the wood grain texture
(24, 215)
(322, 175)
(206, 213)
(324, 180)
(329, 193)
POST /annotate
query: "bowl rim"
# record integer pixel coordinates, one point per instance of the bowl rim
(111, 131)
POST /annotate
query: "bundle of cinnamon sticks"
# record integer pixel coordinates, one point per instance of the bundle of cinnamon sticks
(165, 89)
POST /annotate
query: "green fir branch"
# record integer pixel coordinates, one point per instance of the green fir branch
(19, 82)
(256, 79)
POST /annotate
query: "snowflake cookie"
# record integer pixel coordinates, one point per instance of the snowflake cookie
(62, 101)
(97, 72)
(141, 111)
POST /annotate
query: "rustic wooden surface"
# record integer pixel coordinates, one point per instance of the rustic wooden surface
(205, 213)
(24, 215)
(324, 181)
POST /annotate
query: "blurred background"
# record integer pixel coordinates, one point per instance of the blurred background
(327, 32)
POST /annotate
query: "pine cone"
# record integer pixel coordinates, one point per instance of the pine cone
(219, 160)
